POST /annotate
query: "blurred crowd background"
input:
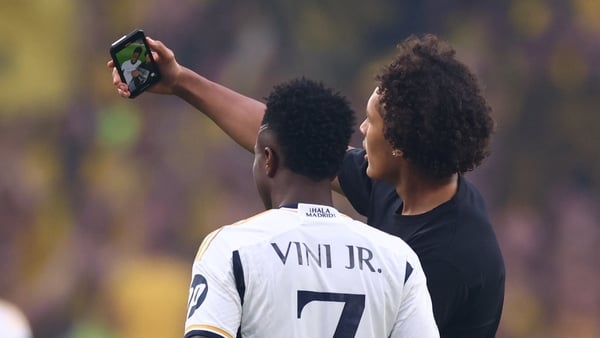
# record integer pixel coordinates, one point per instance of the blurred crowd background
(104, 200)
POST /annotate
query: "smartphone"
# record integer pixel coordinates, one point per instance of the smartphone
(134, 62)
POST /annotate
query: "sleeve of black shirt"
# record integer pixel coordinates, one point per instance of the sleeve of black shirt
(354, 181)
(447, 289)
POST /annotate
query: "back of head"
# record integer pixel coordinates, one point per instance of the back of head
(312, 125)
(13, 323)
(433, 108)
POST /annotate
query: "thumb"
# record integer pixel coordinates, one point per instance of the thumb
(156, 45)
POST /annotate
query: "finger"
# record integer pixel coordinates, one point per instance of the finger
(155, 56)
(123, 92)
(151, 41)
(155, 45)
(110, 64)
(116, 77)
(158, 47)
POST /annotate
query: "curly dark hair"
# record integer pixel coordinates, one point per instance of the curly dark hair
(312, 124)
(433, 109)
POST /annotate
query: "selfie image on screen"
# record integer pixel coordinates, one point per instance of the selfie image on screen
(136, 64)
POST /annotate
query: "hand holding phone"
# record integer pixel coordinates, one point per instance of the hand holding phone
(134, 62)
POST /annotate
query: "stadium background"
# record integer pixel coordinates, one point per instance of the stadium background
(104, 201)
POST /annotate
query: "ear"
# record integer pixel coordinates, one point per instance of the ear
(271, 161)
(397, 153)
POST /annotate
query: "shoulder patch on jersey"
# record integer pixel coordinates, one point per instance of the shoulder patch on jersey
(198, 291)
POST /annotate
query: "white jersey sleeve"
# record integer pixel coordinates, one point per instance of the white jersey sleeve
(214, 308)
(415, 317)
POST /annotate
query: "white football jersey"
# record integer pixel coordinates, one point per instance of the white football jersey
(128, 67)
(307, 272)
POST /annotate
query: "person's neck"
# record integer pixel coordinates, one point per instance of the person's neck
(303, 191)
(420, 195)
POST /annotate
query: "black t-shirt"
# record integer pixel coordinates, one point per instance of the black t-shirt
(455, 243)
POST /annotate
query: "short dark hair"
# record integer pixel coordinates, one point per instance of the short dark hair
(138, 50)
(433, 109)
(312, 124)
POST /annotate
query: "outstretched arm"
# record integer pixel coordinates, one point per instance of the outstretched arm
(238, 115)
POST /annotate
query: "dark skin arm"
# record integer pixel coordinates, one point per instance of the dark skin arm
(237, 115)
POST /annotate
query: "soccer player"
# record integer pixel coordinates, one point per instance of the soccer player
(130, 68)
(301, 268)
(427, 124)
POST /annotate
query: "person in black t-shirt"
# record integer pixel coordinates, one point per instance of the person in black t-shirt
(427, 124)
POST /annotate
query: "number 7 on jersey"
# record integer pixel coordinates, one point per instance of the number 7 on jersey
(354, 305)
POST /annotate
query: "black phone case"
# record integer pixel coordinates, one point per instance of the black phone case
(147, 71)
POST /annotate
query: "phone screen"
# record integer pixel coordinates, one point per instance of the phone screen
(134, 62)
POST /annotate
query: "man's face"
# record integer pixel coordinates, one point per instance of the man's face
(134, 57)
(381, 164)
